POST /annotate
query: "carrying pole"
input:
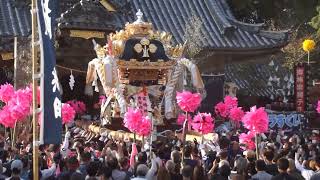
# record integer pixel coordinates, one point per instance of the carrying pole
(34, 90)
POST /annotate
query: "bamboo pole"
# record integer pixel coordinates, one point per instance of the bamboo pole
(6, 136)
(184, 134)
(257, 147)
(34, 90)
(14, 134)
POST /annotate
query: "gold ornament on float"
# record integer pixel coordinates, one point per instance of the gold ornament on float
(144, 30)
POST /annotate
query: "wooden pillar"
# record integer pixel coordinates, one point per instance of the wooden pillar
(15, 51)
(22, 62)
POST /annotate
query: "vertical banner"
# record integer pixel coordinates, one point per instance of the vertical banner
(300, 88)
(51, 125)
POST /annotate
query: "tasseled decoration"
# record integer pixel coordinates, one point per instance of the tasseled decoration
(95, 82)
(185, 78)
(71, 81)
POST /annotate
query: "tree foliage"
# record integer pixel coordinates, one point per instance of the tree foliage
(292, 15)
(193, 36)
(315, 21)
(276, 14)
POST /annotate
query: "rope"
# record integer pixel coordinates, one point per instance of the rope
(71, 69)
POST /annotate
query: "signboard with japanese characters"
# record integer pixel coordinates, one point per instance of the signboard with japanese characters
(285, 121)
(300, 88)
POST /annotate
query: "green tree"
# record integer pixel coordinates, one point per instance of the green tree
(315, 21)
(276, 14)
(293, 15)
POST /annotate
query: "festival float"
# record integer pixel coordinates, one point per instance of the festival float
(140, 70)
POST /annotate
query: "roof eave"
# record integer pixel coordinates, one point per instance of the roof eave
(246, 51)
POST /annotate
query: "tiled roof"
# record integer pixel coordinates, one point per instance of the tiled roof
(220, 30)
(15, 18)
(254, 78)
(89, 15)
(64, 5)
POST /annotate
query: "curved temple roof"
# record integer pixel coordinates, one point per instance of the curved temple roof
(220, 30)
(15, 18)
(89, 15)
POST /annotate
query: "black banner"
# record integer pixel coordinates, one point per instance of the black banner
(51, 125)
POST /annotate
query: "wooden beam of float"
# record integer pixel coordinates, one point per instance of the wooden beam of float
(122, 134)
(87, 34)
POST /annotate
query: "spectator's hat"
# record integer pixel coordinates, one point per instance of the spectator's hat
(17, 164)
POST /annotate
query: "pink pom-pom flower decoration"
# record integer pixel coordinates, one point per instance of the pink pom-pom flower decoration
(221, 109)
(188, 101)
(144, 126)
(203, 123)
(6, 92)
(132, 119)
(318, 107)
(256, 120)
(5, 117)
(68, 113)
(236, 114)
(78, 106)
(230, 102)
(82, 107)
(181, 118)
(18, 104)
(247, 139)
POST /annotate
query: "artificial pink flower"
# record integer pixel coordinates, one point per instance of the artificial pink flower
(68, 113)
(5, 117)
(6, 92)
(318, 107)
(17, 113)
(247, 139)
(78, 106)
(230, 102)
(188, 101)
(236, 114)
(20, 104)
(181, 118)
(144, 127)
(28, 92)
(17, 107)
(256, 120)
(203, 123)
(132, 119)
(82, 107)
(221, 109)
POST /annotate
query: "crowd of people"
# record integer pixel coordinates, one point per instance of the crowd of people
(281, 156)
